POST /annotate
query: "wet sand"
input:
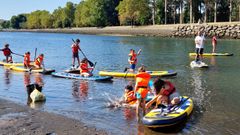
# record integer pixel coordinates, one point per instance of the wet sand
(21, 120)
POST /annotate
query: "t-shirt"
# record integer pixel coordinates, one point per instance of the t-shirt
(199, 41)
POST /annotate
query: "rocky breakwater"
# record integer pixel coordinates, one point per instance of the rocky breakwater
(220, 30)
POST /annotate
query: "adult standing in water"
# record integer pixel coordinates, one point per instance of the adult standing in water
(133, 59)
(75, 47)
(214, 43)
(199, 44)
(141, 89)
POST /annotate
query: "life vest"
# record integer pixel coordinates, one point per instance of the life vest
(132, 58)
(75, 48)
(130, 96)
(26, 59)
(142, 80)
(170, 90)
(39, 60)
(6, 51)
(84, 67)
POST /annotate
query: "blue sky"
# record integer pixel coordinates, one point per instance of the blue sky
(8, 8)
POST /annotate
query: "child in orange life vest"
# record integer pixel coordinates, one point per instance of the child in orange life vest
(141, 88)
(7, 53)
(75, 47)
(84, 69)
(129, 94)
(26, 61)
(133, 59)
(38, 63)
(165, 94)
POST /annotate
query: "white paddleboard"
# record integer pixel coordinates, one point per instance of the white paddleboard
(198, 64)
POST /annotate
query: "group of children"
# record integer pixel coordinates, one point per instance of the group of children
(38, 62)
(164, 92)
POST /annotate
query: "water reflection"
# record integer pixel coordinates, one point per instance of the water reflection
(7, 76)
(129, 114)
(213, 61)
(199, 88)
(80, 89)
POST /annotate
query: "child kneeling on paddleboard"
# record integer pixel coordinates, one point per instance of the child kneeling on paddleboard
(166, 94)
(38, 63)
(84, 69)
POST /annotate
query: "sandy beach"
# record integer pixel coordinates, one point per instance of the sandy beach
(21, 120)
(156, 30)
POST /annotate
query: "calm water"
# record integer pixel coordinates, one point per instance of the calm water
(215, 91)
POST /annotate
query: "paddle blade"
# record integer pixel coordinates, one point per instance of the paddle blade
(90, 63)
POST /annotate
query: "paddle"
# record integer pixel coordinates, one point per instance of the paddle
(90, 63)
(126, 69)
(35, 54)
(17, 54)
(94, 66)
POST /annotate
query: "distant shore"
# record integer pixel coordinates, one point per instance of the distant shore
(17, 119)
(230, 30)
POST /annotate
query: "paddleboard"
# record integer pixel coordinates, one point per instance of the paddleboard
(169, 116)
(22, 69)
(213, 54)
(79, 77)
(198, 64)
(3, 63)
(130, 74)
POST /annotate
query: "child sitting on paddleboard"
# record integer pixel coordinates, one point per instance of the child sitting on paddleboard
(84, 69)
(166, 94)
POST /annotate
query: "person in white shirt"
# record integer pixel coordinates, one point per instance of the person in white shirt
(199, 42)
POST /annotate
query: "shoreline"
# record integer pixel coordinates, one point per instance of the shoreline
(225, 30)
(19, 119)
(157, 30)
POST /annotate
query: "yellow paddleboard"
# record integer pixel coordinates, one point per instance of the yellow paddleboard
(2, 63)
(22, 69)
(213, 54)
(130, 74)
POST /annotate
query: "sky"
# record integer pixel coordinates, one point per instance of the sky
(8, 8)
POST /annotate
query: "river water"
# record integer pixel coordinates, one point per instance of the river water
(215, 91)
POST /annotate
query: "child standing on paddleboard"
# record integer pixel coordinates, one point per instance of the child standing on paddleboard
(7, 53)
(75, 47)
(133, 59)
(199, 44)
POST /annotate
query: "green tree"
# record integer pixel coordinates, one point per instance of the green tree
(133, 11)
(46, 19)
(5, 24)
(16, 21)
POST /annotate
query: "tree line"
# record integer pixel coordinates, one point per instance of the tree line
(101, 13)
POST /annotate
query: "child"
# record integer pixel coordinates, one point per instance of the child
(38, 63)
(166, 94)
(75, 47)
(7, 53)
(133, 59)
(129, 94)
(84, 69)
(141, 89)
(27, 61)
